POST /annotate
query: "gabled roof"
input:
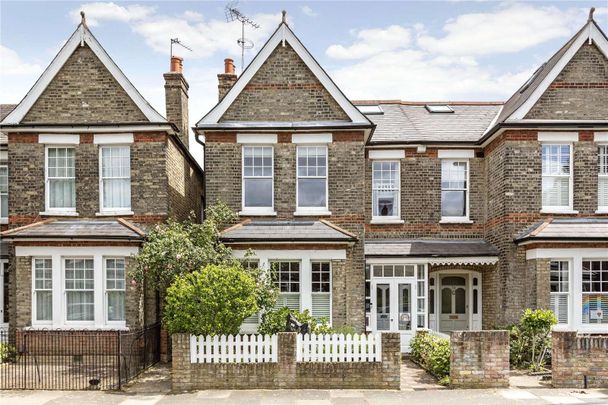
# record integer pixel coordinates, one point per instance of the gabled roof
(520, 103)
(282, 34)
(4, 110)
(403, 122)
(120, 229)
(81, 36)
(261, 231)
(567, 229)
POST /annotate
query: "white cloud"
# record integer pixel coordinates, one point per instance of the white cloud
(511, 28)
(372, 41)
(205, 37)
(12, 65)
(308, 11)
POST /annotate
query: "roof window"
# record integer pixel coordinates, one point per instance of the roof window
(370, 109)
(439, 108)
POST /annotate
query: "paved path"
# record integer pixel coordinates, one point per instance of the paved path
(312, 397)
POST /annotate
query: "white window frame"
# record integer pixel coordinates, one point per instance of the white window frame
(602, 209)
(252, 211)
(299, 293)
(305, 211)
(47, 188)
(563, 293)
(466, 217)
(602, 293)
(4, 220)
(65, 292)
(118, 210)
(378, 219)
(559, 209)
(35, 293)
(106, 290)
(329, 293)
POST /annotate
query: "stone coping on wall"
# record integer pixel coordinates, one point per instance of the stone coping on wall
(287, 372)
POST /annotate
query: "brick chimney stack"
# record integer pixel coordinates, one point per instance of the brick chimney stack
(226, 79)
(176, 97)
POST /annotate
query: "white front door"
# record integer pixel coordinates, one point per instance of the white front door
(454, 307)
(394, 307)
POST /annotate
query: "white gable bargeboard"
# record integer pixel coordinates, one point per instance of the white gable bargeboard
(281, 35)
(81, 36)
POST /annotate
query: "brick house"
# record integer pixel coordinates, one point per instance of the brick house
(396, 216)
(91, 167)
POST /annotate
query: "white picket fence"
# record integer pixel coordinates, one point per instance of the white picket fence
(339, 348)
(234, 349)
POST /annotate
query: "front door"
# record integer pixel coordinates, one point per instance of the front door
(454, 303)
(393, 307)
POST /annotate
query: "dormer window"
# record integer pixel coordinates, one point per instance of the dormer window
(439, 108)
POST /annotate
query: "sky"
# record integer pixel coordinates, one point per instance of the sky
(409, 50)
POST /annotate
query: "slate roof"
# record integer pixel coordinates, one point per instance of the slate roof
(410, 122)
(286, 231)
(429, 248)
(567, 229)
(77, 229)
(5, 109)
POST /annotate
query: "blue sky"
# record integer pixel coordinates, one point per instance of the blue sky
(410, 50)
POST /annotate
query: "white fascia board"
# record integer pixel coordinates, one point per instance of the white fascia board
(283, 34)
(53, 139)
(565, 253)
(600, 137)
(256, 138)
(91, 129)
(558, 136)
(312, 138)
(590, 34)
(387, 154)
(455, 153)
(3, 155)
(76, 250)
(79, 37)
(105, 139)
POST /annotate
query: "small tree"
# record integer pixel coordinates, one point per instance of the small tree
(210, 301)
(530, 342)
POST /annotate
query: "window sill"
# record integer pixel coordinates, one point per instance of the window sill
(113, 213)
(386, 220)
(3, 221)
(455, 221)
(602, 210)
(246, 213)
(558, 211)
(312, 213)
(59, 214)
(69, 328)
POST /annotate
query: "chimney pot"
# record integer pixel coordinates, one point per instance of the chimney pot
(228, 66)
(176, 64)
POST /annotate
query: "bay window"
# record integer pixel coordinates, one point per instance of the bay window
(385, 189)
(43, 289)
(312, 179)
(556, 177)
(115, 178)
(258, 172)
(80, 290)
(559, 289)
(321, 289)
(602, 180)
(595, 291)
(286, 275)
(3, 192)
(115, 289)
(60, 179)
(454, 189)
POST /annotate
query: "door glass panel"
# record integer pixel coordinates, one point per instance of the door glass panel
(453, 280)
(475, 301)
(460, 301)
(446, 300)
(383, 307)
(432, 301)
(405, 307)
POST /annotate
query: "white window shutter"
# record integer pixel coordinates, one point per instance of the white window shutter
(321, 306)
(559, 305)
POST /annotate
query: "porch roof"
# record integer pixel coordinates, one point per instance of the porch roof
(566, 229)
(286, 231)
(77, 229)
(429, 248)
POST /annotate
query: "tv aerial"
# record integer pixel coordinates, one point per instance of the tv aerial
(233, 14)
(176, 41)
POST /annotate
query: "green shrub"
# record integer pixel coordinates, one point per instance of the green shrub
(530, 345)
(212, 301)
(432, 353)
(275, 321)
(8, 353)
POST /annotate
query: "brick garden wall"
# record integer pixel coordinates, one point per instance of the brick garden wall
(287, 372)
(479, 359)
(576, 358)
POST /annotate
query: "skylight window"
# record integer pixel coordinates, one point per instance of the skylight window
(439, 108)
(370, 109)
